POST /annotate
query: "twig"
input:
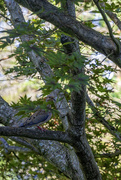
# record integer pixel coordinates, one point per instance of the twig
(108, 155)
(108, 25)
(4, 59)
(24, 142)
(9, 148)
(102, 119)
(114, 18)
(4, 17)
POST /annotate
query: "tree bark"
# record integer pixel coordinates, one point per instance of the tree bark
(69, 25)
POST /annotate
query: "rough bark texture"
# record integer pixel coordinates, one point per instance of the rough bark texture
(61, 157)
(68, 24)
(77, 120)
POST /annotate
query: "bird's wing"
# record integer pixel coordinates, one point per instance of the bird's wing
(39, 117)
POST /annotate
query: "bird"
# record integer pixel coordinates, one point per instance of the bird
(39, 117)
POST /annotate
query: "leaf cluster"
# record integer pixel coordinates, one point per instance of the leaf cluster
(64, 67)
(23, 64)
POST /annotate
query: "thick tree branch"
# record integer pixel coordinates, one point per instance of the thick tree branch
(50, 150)
(77, 117)
(53, 151)
(78, 108)
(62, 157)
(35, 134)
(73, 27)
(7, 113)
(56, 154)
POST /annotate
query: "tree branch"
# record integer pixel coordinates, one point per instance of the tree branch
(69, 25)
(108, 155)
(101, 119)
(49, 149)
(6, 18)
(35, 134)
(9, 148)
(77, 115)
(6, 117)
(108, 25)
(112, 16)
(78, 108)
(25, 143)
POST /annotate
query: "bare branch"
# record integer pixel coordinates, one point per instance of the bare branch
(9, 148)
(108, 25)
(2, 15)
(28, 144)
(108, 155)
(3, 59)
(101, 119)
(112, 16)
(35, 134)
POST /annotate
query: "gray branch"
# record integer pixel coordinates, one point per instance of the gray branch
(101, 119)
(25, 142)
(108, 155)
(35, 134)
(9, 148)
(69, 25)
(54, 152)
(112, 16)
(77, 116)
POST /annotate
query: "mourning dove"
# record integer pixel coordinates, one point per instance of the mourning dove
(39, 117)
